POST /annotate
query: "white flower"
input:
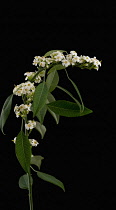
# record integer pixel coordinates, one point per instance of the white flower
(16, 110)
(81, 59)
(55, 53)
(59, 57)
(22, 110)
(24, 88)
(38, 60)
(86, 58)
(28, 74)
(17, 90)
(42, 64)
(65, 63)
(35, 62)
(14, 140)
(76, 59)
(33, 142)
(73, 53)
(30, 125)
(69, 57)
(37, 79)
(49, 60)
(96, 62)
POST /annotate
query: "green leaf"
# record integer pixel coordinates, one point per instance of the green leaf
(56, 67)
(54, 115)
(24, 182)
(41, 114)
(67, 109)
(52, 80)
(51, 179)
(36, 160)
(51, 51)
(41, 128)
(5, 111)
(77, 90)
(23, 151)
(39, 98)
(70, 94)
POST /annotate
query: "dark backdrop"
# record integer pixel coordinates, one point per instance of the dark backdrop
(78, 151)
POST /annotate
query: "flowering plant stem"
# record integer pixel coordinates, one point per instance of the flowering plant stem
(39, 99)
(29, 177)
(30, 192)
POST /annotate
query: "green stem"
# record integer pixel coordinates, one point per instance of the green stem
(29, 179)
(30, 192)
(33, 78)
(22, 125)
(33, 169)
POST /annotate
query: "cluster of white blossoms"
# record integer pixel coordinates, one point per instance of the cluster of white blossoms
(42, 61)
(26, 88)
(30, 75)
(33, 142)
(22, 110)
(30, 125)
(67, 60)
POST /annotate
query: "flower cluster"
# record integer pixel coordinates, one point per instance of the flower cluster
(67, 60)
(30, 75)
(22, 110)
(42, 61)
(30, 125)
(33, 142)
(26, 88)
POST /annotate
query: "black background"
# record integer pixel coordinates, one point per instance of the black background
(79, 151)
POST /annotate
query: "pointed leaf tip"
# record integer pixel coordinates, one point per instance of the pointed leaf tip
(51, 179)
(67, 109)
(5, 112)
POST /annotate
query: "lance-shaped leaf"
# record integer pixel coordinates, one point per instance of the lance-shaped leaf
(41, 114)
(39, 98)
(52, 80)
(54, 115)
(51, 51)
(56, 67)
(24, 182)
(70, 94)
(77, 90)
(51, 179)
(5, 111)
(23, 151)
(37, 160)
(67, 109)
(41, 128)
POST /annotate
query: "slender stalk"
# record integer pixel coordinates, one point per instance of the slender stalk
(33, 78)
(22, 125)
(29, 179)
(30, 192)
